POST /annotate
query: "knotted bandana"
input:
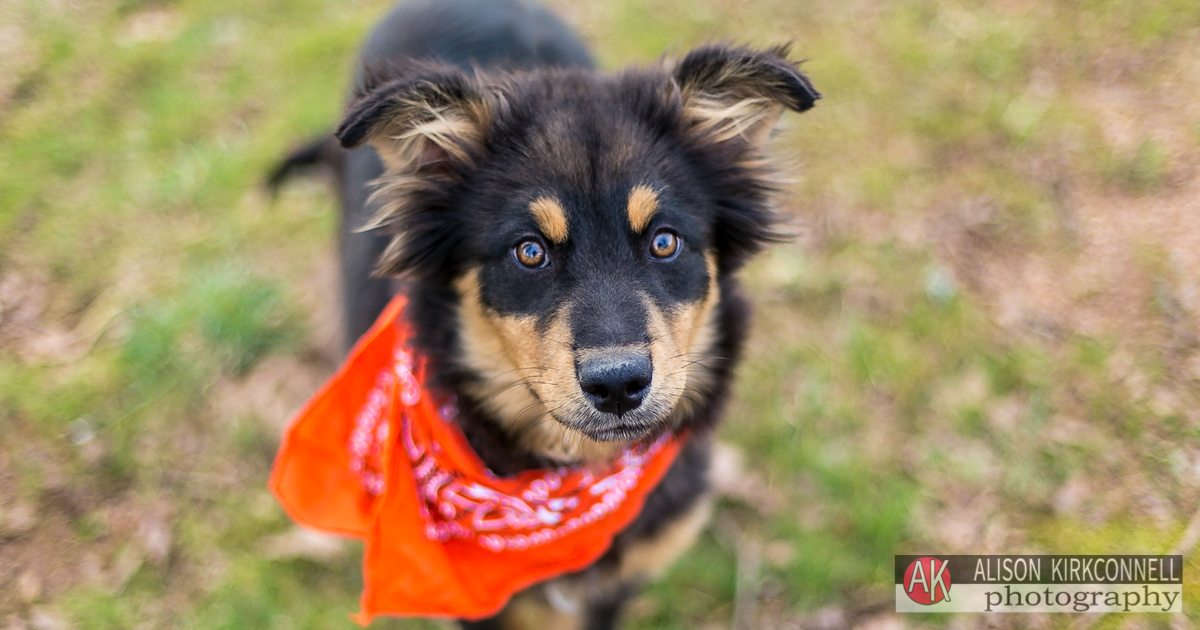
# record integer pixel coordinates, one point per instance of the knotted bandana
(377, 456)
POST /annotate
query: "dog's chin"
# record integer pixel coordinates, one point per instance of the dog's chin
(618, 431)
(633, 426)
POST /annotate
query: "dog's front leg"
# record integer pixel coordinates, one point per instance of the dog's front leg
(541, 607)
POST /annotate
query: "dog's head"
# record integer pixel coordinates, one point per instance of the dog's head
(583, 222)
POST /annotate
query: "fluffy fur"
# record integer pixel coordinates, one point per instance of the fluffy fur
(568, 241)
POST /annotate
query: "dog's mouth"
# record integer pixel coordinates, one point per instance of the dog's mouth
(606, 427)
(655, 415)
(617, 396)
(620, 432)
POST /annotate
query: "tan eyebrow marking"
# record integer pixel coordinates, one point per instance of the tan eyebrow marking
(551, 218)
(643, 203)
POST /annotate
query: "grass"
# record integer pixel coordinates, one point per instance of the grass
(908, 388)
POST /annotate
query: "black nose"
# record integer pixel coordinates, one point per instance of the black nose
(615, 382)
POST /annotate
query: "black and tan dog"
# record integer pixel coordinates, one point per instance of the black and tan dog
(568, 241)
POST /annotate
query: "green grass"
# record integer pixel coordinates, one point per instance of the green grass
(886, 402)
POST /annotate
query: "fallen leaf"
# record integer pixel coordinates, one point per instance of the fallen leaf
(880, 622)
(42, 620)
(731, 479)
(299, 542)
(16, 519)
(29, 586)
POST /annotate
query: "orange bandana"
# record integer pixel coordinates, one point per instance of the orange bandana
(375, 456)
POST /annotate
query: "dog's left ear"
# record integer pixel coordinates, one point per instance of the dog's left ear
(426, 115)
(428, 121)
(731, 98)
(730, 92)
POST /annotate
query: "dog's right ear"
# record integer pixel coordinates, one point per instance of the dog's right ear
(730, 92)
(433, 117)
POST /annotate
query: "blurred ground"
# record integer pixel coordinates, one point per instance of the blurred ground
(983, 339)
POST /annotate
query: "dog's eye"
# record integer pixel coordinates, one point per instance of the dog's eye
(664, 245)
(531, 254)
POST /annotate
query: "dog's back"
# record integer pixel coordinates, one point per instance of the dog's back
(489, 33)
(510, 34)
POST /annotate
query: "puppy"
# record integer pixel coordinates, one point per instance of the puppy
(567, 241)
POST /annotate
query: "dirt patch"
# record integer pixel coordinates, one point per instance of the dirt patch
(46, 536)
(272, 392)
(1134, 250)
(1133, 254)
(22, 299)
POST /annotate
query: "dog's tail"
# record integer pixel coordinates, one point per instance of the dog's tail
(323, 151)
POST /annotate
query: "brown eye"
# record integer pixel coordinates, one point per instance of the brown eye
(530, 254)
(664, 245)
